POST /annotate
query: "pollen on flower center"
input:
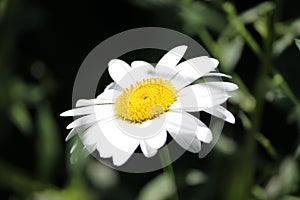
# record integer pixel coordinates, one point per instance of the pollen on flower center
(145, 100)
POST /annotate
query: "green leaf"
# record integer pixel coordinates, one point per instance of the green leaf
(18, 90)
(77, 156)
(75, 191)
(288, 31)
(101, 176)
(286, 181)
(3, 7)
(265, 142)
(253, 14)
(297, 152)
(226, 145)
(197, 15)
(294, 115)
(160, 188)
(230, 52)
(242, 96)
(21, 117)
(290, 198)
(195, 177)
(281, 44)
(297, 41)
(247, 124)
(261, 26)
(259, 193)
(48, 145)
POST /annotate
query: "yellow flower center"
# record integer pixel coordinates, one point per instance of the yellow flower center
(145, 100)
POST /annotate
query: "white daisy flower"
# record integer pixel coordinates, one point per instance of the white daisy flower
(144, 103)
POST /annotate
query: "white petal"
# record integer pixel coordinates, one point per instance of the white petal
(90, 136)
(188, 142)
(225, 86)
(118, 71)
(158, 140)
(147, 150)
(221, 112)
(172, 58)
(187, 130)
(105, 148)
(90, 102)
(217, 74)
(71, 134)
(117, 137)
(214, 61)
(142, 70)
(88, 119)
(75, 131)
(169, 61)
(90, 148)
(108, 96)
(74, 146)
(140, 63)
(114, 86)
(93, 138)
(120, 157)
(191, 70)
(204, 95)
(88, 110)
(110, 86)
(101, 114)
(203, 133)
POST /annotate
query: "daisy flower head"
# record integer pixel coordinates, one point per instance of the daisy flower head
(146, 103)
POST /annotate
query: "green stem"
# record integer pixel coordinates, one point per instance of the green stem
(168, 170)
(285, 87)
(209, 42)
(259, 94)
(266, 67)
(265, 57)
(241, 29)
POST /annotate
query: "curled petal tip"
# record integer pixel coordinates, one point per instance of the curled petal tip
(67, 113)
(183, 47)
(70, 126)
(111, 62)
(214, 61)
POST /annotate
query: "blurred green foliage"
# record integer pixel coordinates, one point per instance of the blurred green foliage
(258, 158)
